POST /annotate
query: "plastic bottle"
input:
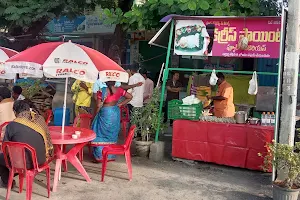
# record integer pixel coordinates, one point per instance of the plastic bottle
(263, 119)
(273, 119)
(268, 119)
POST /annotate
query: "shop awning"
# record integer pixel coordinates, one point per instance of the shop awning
(161, 38)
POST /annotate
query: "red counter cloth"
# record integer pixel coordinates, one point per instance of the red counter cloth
(226, 144)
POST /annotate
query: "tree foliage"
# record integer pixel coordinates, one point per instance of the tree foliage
(32, 15)
(148, 15)
(29, 17)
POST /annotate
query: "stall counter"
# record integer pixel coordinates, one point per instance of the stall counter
(234, 145)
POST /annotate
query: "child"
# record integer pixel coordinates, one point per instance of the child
(17, 93)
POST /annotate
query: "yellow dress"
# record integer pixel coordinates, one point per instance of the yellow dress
(81, 96)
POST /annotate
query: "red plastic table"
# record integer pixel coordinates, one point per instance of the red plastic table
(59, 139)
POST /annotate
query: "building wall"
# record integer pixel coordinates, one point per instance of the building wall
(153, 57)
(267, 65)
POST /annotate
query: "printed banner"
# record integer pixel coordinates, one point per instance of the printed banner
(221, 37)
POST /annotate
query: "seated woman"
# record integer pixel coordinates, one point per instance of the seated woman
(106, 123)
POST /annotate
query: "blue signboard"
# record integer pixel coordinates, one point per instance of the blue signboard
(80, 25)
(66, 25)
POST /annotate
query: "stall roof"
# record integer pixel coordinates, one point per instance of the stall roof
(183, 17)
(161, 38)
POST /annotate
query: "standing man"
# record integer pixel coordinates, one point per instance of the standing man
(149, 85)
(82, 96)
(17, 93)
(223, 101)
(173, 89)
(137, 92)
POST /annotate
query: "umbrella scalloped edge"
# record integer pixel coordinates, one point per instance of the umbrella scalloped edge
(24, 68)
(113, 75)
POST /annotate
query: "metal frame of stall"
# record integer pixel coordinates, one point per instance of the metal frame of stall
(167, 69)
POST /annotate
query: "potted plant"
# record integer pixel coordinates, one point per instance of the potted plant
(286, 159)
(146, 121)
(30, 90)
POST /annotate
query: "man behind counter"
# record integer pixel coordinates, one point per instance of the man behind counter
(174, 87)
(223, 101)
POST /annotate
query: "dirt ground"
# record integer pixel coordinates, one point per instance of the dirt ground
(166, 180)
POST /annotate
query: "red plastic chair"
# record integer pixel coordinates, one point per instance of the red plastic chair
(16, 153)
(3, 125)
(1, 128)
(119, 150)
(85, 121)
(124, 119)
(48, 116)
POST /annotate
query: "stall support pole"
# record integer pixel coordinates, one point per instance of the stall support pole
(165, 77)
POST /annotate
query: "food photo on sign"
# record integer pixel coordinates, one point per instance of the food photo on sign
(193, 37)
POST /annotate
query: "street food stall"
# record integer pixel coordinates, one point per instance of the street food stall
(196, 134)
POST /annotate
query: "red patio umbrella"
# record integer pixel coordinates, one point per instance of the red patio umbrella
(5, 54)
(64, 60)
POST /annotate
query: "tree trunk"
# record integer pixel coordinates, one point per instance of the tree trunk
(30, 35)
(117, 47)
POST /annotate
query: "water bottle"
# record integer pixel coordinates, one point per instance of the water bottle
(263, 119)
(268, 119)
(273, 119)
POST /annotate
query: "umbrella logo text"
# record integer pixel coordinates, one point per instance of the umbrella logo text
(75, 62)
(24, 67)
(113, 74)
(61, 72)
(56, 60)
(2, 72)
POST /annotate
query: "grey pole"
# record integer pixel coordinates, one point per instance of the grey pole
(279, 78)
(290, 78)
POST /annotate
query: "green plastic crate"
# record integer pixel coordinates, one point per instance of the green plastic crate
(178, 111)
(257, 114)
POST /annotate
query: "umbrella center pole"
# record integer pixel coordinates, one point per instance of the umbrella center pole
(64, 107)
